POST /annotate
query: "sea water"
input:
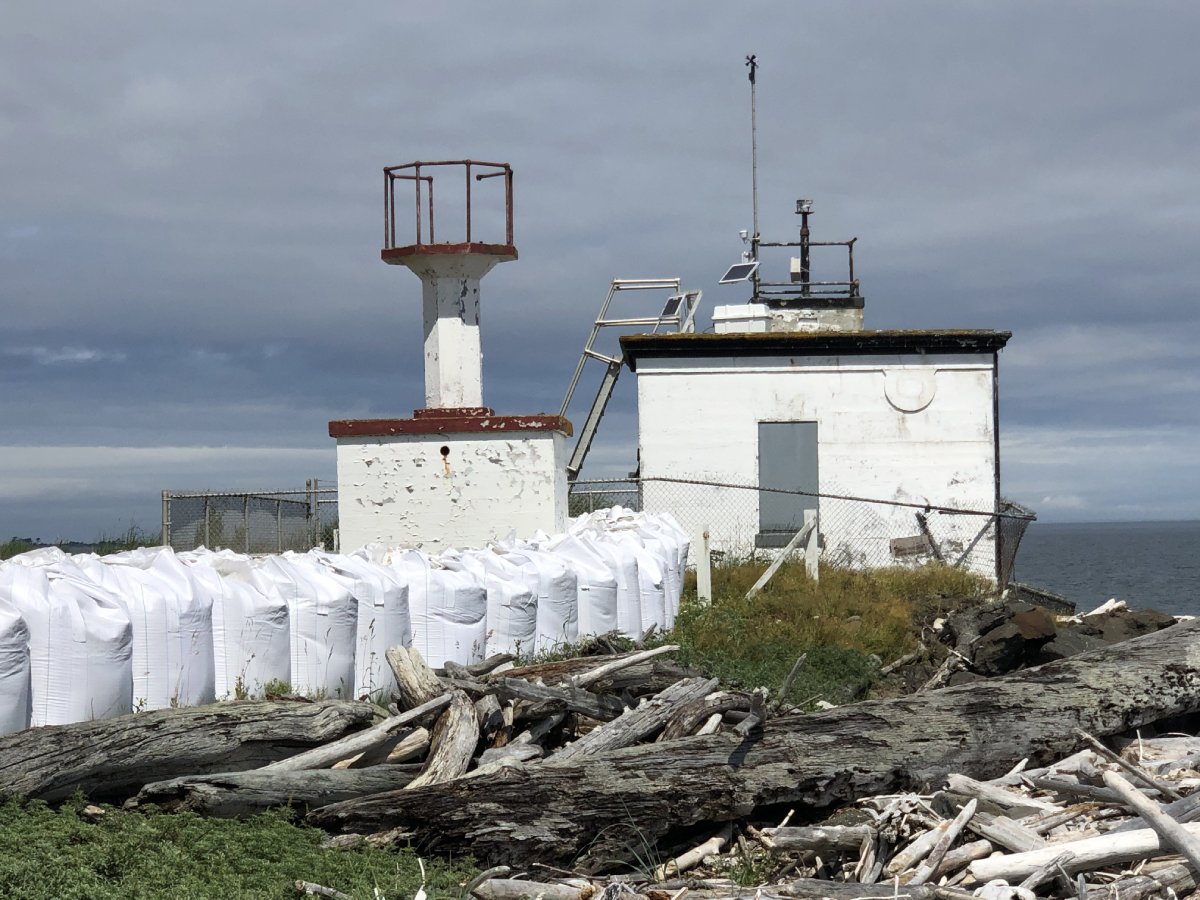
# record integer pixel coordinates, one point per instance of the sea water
(1150, 565)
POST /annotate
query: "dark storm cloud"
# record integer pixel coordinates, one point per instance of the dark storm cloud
(190, 217)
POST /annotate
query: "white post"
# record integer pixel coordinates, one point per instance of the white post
(812, 547)
(704, 570)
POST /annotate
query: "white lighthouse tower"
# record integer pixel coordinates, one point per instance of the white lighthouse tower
(455, 474)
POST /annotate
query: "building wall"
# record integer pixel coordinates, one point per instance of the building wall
(908, 427)
(401, 490)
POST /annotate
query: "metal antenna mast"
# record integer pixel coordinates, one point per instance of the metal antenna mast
(752, 63)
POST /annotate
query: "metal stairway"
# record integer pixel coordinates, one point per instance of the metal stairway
(678, 312)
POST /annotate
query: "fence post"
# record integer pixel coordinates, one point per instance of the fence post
(246, 520)
(316, 512)
(704, 570)
(812, 548)
(207, 536)
(278, 525)
(166, 518)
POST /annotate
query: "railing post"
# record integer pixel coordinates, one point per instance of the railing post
(417, 187)
(508, 206)
(468, 201)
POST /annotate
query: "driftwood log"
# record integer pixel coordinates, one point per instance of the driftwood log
(606, 806)
(113, 758)
(240, 794)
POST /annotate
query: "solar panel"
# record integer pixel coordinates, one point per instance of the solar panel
(739, 272)
(672, 307)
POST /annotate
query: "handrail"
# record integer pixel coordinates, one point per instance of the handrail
(413, 172)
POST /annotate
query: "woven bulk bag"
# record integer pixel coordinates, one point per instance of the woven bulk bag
(15, 704)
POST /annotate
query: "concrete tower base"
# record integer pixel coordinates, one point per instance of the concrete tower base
(450, 477)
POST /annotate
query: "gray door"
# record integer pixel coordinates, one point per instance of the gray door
(787, 460)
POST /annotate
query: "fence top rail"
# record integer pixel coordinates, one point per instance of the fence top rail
(270, 495)
(924, 507)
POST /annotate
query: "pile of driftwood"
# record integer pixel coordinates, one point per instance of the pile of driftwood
(619, 762)
(1096, 825)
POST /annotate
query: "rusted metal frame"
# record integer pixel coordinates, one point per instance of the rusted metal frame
(506, 171)
(393, 172)
(810, 243)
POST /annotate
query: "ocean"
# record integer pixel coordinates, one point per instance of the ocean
(1149, 565)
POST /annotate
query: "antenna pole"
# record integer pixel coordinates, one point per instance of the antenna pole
(752, 63)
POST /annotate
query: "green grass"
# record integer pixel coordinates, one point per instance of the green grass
(846, 623)
(56, 854)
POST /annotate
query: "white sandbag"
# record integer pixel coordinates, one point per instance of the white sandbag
(42, 556)
(382, 618)
(251, 629)
(15, 704)
(597, 577)
(651, 583)
(447, 606)
(80, 643)
(172, 625)
(622, 560)
(323, 616)
(665, 524)
(665, 545)
(511, 602)
(557, 589)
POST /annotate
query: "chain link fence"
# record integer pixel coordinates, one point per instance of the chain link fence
(251, 521)
(855, 532)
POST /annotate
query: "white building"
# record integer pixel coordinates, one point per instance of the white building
(902, 416)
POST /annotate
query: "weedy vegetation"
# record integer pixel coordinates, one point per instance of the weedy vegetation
(47, 852)
(847, 623)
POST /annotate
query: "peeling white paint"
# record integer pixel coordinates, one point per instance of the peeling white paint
(389, 494)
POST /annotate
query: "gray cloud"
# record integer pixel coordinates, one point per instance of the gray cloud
(190, 214)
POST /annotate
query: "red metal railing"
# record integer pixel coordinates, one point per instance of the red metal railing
(413, 172)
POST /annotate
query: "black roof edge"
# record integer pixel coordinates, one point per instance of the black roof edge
(822, 343)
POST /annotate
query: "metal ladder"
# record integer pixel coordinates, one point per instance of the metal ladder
(679, 311)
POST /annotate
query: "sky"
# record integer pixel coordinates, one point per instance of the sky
(191, 218)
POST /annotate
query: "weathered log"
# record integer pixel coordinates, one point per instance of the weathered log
(949, 834)
(600, 673)
(634, 725)
(232, 795)
(1089, 854)
(615, 801)
(415, 681)
(646, 677)
(519, 889)
(1171, 832)
(325, 756)
(556, 699)
(1178, 880)
(112, 758)
(821, 838)
(452, 745)
(688, 717)
(490, 717)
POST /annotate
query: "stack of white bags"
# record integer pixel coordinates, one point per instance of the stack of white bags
(88, 637)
